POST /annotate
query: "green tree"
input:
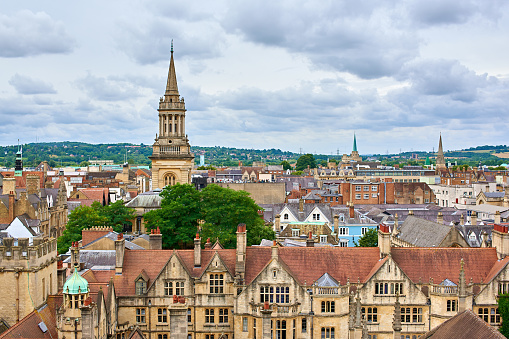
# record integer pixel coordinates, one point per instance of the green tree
(84, 164)
(323, 163)
(286, 165)
(304, 161)
(115, 215)
(80, 218)
(221, 209)
(503, 309)
(178, 216)
(369, 239)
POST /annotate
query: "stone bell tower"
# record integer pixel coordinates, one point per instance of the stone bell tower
(172, 160)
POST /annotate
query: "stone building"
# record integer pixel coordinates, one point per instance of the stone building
(28, 275)
(172, 160)
(286, 292)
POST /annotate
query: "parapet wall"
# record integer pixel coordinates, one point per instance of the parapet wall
(16, 253)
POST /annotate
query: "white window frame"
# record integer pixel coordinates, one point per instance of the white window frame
(358, 197)
(366, 196)
(343, 231)
(364, 230)
(323, 239)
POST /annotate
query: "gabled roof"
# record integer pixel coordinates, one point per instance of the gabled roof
(464, 325)
(423, 233)
(423, 264)
(28, 327)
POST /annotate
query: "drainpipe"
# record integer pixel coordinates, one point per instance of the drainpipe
(17, 296)
(385, 192)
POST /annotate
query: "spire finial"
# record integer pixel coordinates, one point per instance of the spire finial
(172, 45)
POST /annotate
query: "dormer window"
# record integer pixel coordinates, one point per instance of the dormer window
(141, 287)
(285, 216)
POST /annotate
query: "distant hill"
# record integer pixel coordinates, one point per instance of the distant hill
(68, 153)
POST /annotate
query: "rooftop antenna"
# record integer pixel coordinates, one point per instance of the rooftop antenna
(172, 45)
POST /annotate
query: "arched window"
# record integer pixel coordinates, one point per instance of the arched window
(170, 179)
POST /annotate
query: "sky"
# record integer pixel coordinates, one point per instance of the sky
(301, 76)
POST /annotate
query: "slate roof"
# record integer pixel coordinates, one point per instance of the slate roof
(477, 230)
(463, 325)
(113, 236)
(96, 258)
(146, 200)
(326, 281)
(423, 233)
(494, 194)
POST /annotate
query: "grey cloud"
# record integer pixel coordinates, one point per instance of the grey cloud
(27, 85)
(444, 77)
(196, 41)
(368, 41)
(108, 89)
(26, 34)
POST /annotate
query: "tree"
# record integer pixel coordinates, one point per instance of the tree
(178, 216)
(80, 218)
(503, 309)
(304, 161)
(286, 165)
(221, 209)
(369, 239)
(115, 215)
(84, 164)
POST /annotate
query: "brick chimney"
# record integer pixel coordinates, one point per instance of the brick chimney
(301, 205)
(12, 205)
(462, 220)
(309, 241)
(336, 223)
(197, 251)
(277, 223)
(155, 239)
(208, 244)
(93, 233)
(352, 210)
(119, 253)
(240, 255)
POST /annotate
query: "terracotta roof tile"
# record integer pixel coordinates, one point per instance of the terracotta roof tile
(444, 263)
(28, 326)
(463, 325)
(307, 264)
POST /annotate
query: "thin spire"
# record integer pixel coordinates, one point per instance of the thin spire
(440, 154)
(171, 85)
(354, 143)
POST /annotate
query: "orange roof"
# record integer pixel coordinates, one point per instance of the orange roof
(421, 263)
(307, 264)
(28, 327)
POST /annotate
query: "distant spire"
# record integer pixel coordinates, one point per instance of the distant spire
(171, 85)
(354, 143)
(440, 155)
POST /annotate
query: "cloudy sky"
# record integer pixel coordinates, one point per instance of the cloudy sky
(259, 74)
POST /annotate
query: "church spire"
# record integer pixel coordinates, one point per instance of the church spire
(354, 143)
(171, 84)
(440, 155)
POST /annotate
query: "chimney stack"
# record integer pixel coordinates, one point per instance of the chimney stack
(33, 184)
(497, 217)
(240, 255)
(277, 223)
(197, 251)
(352, 210)
(410, 212)
(336, 223)
(301, 205)
(155, 239)
(9, 185)
(274, 250)
(75, 255)
(208, 244)
(309, 241)
(12, 205)
(384, 240)
(473, 218)
(462, 220)
(119, 253)
(440, 218)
